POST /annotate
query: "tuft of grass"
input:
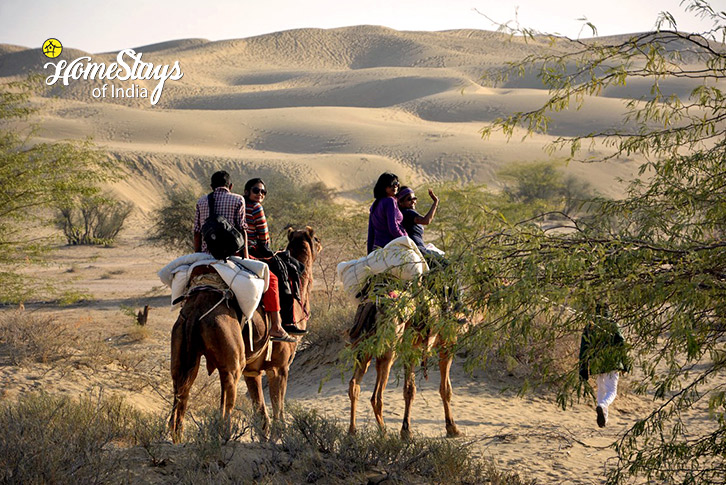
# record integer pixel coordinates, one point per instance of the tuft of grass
(321, 449)
(53, 439)
(330, 320)
(32, 338)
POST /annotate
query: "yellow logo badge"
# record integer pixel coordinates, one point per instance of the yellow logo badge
(52, 48)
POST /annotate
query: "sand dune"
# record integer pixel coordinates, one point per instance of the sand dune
(328, 105)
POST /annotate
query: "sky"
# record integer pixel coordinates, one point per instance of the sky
(95, 26)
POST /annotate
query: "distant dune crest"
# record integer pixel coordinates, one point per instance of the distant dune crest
(337, 105)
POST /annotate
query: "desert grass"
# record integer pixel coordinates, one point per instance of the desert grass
(101, 439)
(30, 338)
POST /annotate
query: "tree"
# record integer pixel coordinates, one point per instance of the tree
(92, 219)
(543, 186)
(658, 256)
(172, 222)
(34, 176)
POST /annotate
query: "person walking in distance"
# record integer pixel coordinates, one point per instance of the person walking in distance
(603, 354)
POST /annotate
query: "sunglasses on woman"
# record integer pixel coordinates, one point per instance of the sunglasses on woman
(257, 191)
(412, 199)
(395, 184)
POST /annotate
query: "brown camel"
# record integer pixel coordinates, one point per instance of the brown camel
(207, 328)
(303, 246)
(425, 340)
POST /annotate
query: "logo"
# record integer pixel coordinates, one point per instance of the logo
(52, 48)
(129, 66)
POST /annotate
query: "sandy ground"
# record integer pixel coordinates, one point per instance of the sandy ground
(338, 106)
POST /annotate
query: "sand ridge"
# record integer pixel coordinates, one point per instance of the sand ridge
(413, 102)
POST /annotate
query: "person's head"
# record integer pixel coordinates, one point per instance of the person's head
(386, 186)
(406, 198)
(255, 190)
(602, 309)
(220, 179)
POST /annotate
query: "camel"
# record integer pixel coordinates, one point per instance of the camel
(207, 328)
(303, 246)
(424, 340)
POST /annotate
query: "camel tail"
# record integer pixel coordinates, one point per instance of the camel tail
(185, 350)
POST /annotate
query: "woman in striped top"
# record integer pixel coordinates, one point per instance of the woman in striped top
(258, 245)
(258, 234)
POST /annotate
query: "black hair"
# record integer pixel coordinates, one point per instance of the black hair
(220, 179)
(602, 309)
(252, 182)
(384, 181)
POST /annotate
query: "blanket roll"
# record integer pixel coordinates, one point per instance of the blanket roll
(400, 257)
(247, 278)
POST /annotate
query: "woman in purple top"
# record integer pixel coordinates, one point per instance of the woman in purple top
(385, 221)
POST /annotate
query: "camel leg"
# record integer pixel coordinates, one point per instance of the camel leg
(409, 393)
(183, 373)
(182, 387)
(445, 390)
(277, 380)
(228, 396)
(361, 367)
(383, 369)
(254, 387)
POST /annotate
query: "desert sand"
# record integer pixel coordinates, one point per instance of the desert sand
(337, 106)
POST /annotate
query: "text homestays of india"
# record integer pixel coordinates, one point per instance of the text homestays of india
(82, 68)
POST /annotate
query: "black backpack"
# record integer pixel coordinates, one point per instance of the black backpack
(222, 238)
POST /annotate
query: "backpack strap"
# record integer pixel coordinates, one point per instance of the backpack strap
(210, 203)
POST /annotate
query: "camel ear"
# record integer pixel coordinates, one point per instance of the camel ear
(290, 230)
(310, 231)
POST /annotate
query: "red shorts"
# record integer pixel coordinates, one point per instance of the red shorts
(271, 298)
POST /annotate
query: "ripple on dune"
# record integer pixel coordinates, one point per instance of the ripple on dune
(371, 94)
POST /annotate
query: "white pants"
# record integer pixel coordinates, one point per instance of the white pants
(607, 388)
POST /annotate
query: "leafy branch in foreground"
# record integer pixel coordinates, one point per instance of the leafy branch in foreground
(657, 256)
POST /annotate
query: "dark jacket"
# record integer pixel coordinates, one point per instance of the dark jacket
(603, 348)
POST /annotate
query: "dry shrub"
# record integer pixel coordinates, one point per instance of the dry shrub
(52, 439)
(321, 449)
(28, 338)
(330, 320)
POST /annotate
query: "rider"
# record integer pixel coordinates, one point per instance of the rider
(384, 221)
(258, 241)
(232, 207)
(413, 222)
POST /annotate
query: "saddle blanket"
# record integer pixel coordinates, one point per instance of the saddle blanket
(400, 257)
(248, 279)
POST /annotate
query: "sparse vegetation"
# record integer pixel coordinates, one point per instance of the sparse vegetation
(92, 219)
(97, 439)
(34, 176)
(30, 338)
(54, 439)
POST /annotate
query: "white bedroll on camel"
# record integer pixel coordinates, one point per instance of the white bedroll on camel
(400, 257)
(248, 279)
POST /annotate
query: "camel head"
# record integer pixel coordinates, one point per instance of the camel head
(303, 244)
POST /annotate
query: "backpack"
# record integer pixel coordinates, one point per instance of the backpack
(222, 238)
